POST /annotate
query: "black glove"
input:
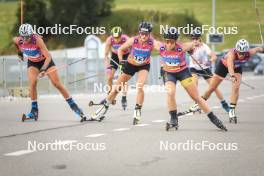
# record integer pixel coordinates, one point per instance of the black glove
(20, 55)
(190, 52)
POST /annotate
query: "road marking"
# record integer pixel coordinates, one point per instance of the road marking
(143, 124)
(94, 135)
(65, 142)
(250, 98)
(215, 107)
(121, 129)
(241, 100)
(189, 114)
(20, 152)
(158, 121)
(257, 96)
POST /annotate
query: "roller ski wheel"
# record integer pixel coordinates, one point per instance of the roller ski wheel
(101, 119)
(91, 103)
(233, 120)
(23, 117)
(170, 126)
(135, 121)
(124, 102)
(124, 107)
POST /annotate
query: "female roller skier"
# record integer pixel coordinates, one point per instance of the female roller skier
(232, 63)
(173, 55)
(202, 65)
(31, 47)
(138, 62)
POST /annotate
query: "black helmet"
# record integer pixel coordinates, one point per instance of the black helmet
(145, 26)
(196, 33)
(171, 33)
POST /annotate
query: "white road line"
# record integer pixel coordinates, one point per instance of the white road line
(189, 114)
(94, 135)
(215, 107)
(20, 152)
(143, 124)
(121, 129)
(65, 142)
(158, 121)
(241, 100)
(250, 98)
(257, 96)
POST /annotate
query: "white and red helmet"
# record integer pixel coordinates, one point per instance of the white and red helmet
(26, 30)
(242, 45)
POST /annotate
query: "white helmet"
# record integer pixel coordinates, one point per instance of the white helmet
(25, 30)
(242, 45)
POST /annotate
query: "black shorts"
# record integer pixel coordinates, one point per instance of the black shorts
(202, 73)
(114, 57)
(39, 65)
(222, 70)
(130, 69)
(184, 76)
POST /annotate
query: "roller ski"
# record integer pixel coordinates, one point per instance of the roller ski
(124, 102)
(218, 123)
(85, 119)
(99, 115)
(137, 115)
(33, 115)
(232, 116)
(173, 123)
(91, 103)
(194, 109)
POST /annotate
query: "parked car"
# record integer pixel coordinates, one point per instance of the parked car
(259, 70)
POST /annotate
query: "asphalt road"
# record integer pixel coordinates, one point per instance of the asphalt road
(116, 147)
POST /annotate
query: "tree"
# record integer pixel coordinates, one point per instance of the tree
(34, 13)
(79, 12)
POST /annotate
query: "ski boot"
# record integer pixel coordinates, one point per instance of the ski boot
(32, 115)
(216, 121)
(225, 106)
(124, 102)
(137, 114)
(78, 111)
(232, 116)
(173, 123)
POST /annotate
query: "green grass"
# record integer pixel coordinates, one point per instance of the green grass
(7, 20)
(229, 13)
